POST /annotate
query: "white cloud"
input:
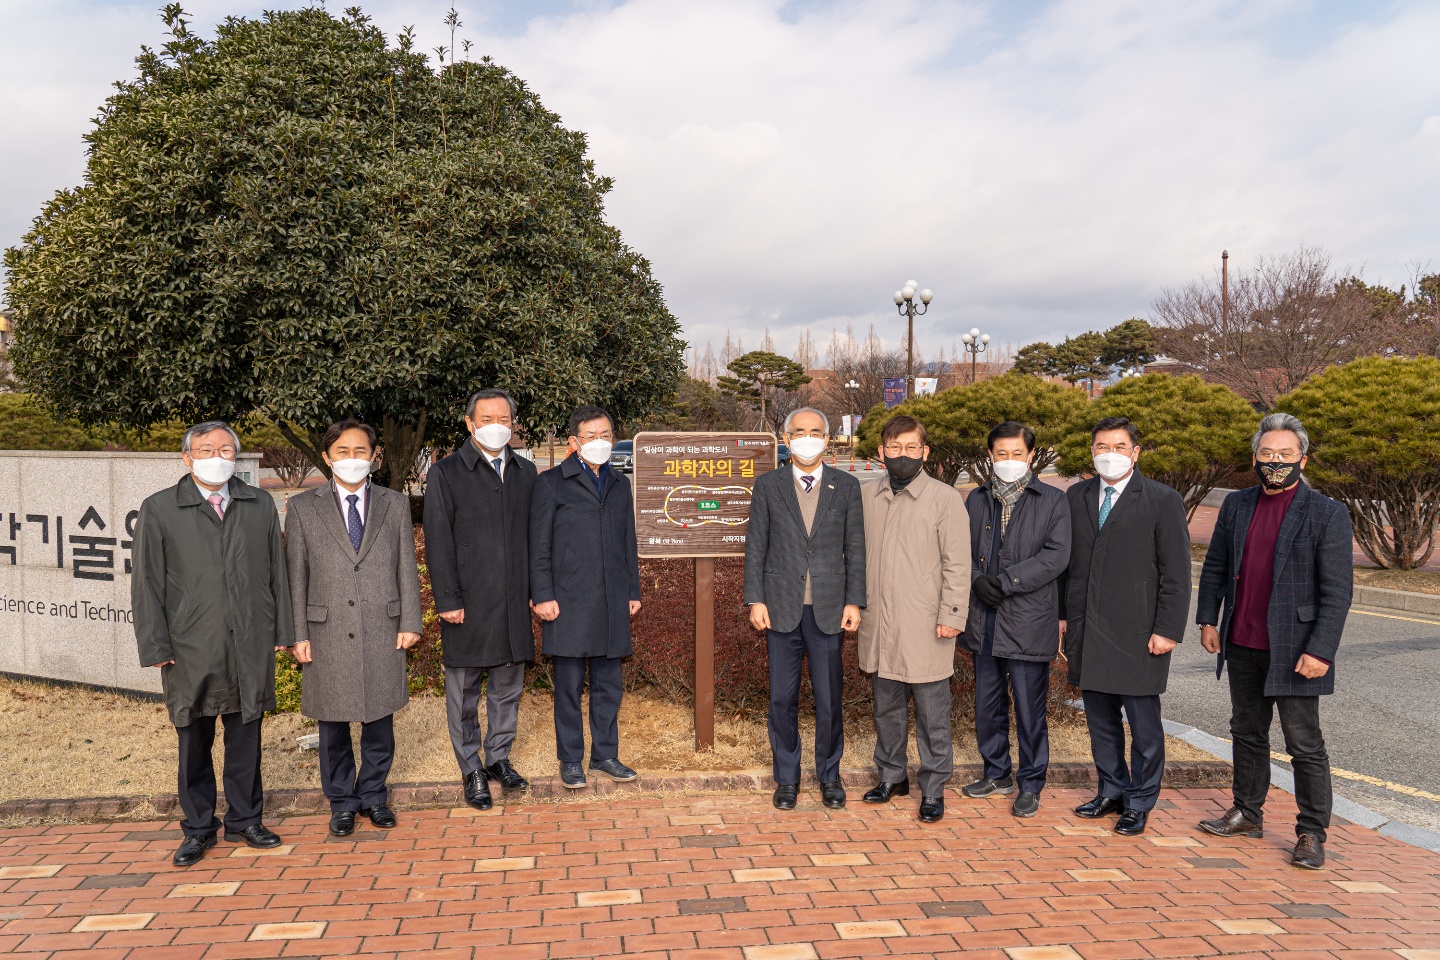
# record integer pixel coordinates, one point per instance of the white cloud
(791, 167)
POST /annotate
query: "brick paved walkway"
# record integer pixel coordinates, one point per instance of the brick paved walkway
(722, 878)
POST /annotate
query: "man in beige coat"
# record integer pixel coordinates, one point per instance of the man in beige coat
(917, 581)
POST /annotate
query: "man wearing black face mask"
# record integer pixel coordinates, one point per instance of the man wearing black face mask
(1280, 563)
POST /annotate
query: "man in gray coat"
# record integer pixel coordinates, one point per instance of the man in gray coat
(355, 590)
(805, 583)
(210, 597)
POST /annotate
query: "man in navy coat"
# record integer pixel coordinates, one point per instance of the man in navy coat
(585, 586)
(1280, 563)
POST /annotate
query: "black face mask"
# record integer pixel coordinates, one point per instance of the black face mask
(1278, 476)
(902, 469)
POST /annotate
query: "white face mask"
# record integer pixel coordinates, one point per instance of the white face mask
(493, 436)
(596, 452)
(351, 471)
(1112, 466)
(214, 471)
(807, 448)
(1008, 471)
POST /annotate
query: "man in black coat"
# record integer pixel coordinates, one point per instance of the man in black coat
(477, 547)
(1123, 609)
(1019, 548)
(1281, 565)
(585, 584)
(805, 583)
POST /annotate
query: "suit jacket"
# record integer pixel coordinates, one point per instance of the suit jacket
(779, 553)
(583, 556)
(1124, 583)
(477, 549)
(213, 597)
(1310, 587)
(350, 604)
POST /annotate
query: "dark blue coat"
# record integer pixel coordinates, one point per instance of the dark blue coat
(1311, 587)
(583, 555)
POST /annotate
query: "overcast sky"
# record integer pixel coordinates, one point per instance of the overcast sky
(1046, 168)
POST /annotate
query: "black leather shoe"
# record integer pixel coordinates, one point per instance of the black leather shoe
(1132, 822)
(1309, 852)
(614, 769)
(192, 850)
(380, 816)
(342, 824)
(572, 776)
(256, 836)
(784, 798)
(832, 794)
(477, 791)
(984, 787)
(882, 791)
(1099, 807)
(505, 775)
(1026, 805)
(932, 809)
(1233, 823)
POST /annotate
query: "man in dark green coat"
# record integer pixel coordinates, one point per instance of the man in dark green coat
(212, 605)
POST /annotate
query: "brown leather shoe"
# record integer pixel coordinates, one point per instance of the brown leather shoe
(1309, 852)
(1233, 823)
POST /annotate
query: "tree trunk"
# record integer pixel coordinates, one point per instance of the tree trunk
(311, 445)
(403, 443)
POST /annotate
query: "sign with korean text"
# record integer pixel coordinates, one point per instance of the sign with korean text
(894, 391)
(67, 529)
(692, 491)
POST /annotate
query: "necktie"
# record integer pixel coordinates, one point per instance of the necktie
(1105, 506)
(215, 501)
(808, 480)
(352, 522)
(498, 463)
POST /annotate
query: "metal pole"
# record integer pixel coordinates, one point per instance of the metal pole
(1224, 302)
(973, 357)
(704, 653)
(910, 353)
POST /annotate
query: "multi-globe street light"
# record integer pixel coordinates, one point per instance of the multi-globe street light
(975, 344)
(905, 302)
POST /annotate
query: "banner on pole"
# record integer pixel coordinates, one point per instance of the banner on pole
(894, 391)
(925, 386)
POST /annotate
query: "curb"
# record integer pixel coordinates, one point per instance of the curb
(421, 796)
(1379, 597)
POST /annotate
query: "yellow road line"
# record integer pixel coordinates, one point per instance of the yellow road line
(1391, 616)
(1366, 778)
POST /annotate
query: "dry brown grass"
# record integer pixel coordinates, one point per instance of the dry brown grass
(1415, 581)
(64, 742)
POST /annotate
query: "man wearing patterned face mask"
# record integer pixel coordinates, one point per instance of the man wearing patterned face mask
(1281, 566)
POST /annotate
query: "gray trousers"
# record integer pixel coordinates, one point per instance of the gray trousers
(502, 712)
(932, 732)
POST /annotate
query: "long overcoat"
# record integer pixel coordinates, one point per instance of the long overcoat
(1311, 586)
(583, 555)
(211, 595)
(477, 550)
(350, 604)
(917, 577)
(1124, 583)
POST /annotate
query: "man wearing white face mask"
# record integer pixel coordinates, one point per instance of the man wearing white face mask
(477, 548)
(210, 600)
(1123, 609)
(355, 591)
(585, 584)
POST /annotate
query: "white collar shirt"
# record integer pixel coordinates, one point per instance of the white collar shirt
(363, 504)
(1119, 487)
(801, 473)
(224, 492)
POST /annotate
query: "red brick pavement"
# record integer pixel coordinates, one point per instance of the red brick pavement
(705, 878)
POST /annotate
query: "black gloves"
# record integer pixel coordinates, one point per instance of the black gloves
(988, 589)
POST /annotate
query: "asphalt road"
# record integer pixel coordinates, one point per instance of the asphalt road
(1381, 722)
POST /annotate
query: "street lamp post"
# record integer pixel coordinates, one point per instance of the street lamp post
(905, 302)
(975, 344)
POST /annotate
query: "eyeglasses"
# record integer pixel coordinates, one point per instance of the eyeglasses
(908, 450)
(209, 453)
(587, 437)
(1277, 456)
(1124, 449)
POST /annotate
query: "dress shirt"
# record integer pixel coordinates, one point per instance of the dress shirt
(801, 472)
(489, 458)
(363, 504)
(224, 492)
(1119, 486)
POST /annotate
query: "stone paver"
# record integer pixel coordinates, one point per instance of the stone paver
(619, 877)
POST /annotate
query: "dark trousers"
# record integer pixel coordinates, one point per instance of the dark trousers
(1250, 715)
(346, 789)
(606, 686)
(826, 678)
(503, 688)
(932, 732)
(995, 679)
(1138, 785)
(244, 797)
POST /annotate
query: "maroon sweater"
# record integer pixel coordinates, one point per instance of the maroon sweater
(1249, 626)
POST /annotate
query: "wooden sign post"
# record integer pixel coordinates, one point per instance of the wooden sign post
(692, 499)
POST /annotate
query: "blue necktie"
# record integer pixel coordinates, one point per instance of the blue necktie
(1105, 506)
(352, 522)
(498, 463)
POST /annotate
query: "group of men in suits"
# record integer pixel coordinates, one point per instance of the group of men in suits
(1020, 573)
